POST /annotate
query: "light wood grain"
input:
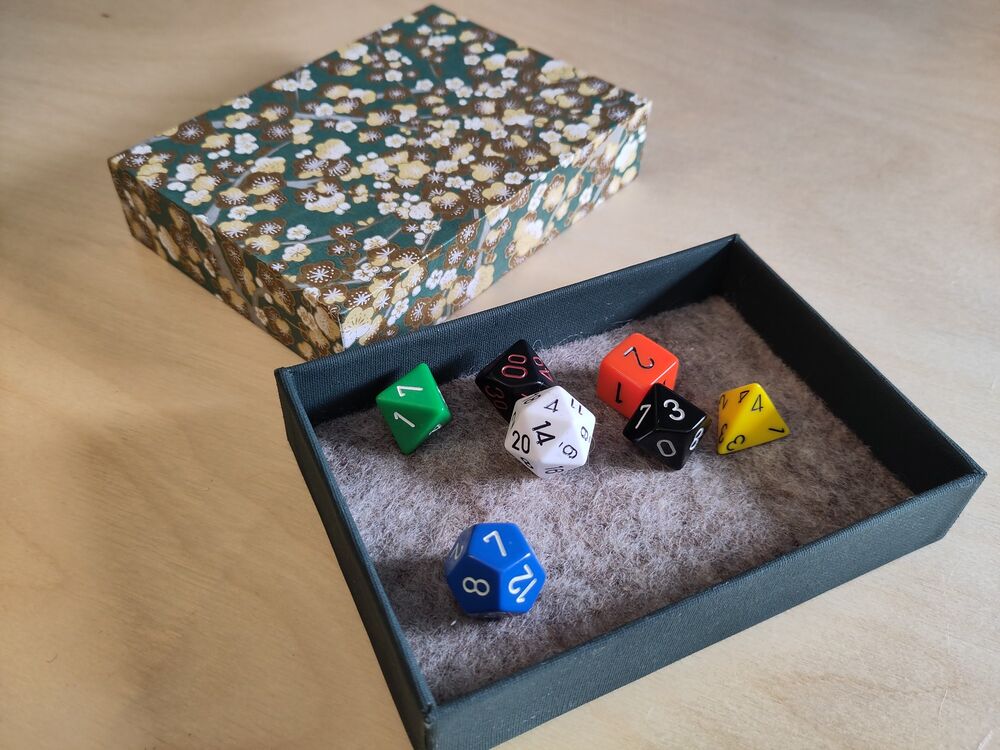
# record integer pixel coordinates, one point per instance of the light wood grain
(164, 578)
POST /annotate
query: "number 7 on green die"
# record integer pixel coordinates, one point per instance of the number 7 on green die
(413, 408)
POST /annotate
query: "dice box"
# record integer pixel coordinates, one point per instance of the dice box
(940, 476)
(379, 188)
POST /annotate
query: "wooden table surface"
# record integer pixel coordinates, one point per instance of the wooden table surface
(164, 578)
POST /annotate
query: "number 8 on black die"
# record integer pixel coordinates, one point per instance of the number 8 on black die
(667, 426)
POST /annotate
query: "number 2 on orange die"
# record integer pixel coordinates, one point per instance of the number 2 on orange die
(630, 370)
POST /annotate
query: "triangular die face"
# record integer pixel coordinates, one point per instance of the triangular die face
(416, 412)
(643, 421)
(674, 413)
(738, 401)
(416, 390)
(519, 347)
(413, 408)
(412, 400)
(748, 417)
(517, 367)
(757, 411)
(687, 428)
(734, 401)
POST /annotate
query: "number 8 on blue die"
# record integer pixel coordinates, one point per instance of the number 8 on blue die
(492, 571)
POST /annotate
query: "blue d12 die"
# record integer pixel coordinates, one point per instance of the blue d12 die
(492, 571)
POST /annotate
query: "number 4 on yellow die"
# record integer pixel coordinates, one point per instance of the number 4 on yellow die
(747, 417)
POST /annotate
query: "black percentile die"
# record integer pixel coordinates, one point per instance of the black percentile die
(667, 426)
(516, 373)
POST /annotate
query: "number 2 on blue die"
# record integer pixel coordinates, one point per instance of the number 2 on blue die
(492, 571)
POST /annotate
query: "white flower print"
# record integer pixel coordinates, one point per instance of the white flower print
(491, 127)
(239, 213)
(240, 120)
(197, 197)
(626, 156)
(302, 81)
(326, 203)
(495, 217)
(269, 164)
(459, 87)
(365, 272)
(333, 148)
(576, 131)
(246, 143)
(297, 252)
(333, 297)
(298, 232)
(434, 279)
(305, 80)
(421, 210)
(448, 278)
(375, 242)
(355, 51)
(399, 310)
(319, 274)
(356, 330)
(440, 40)
(495, 61)
(536, 197)
(187, 172)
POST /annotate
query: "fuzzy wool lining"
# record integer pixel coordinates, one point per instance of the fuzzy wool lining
(620, 537)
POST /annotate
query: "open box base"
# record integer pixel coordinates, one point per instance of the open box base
(621, 536)
(818, 553)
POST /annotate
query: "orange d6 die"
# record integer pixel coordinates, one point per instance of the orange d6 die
(630, 370)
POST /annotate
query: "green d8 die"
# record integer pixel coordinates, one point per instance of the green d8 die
(414, 408)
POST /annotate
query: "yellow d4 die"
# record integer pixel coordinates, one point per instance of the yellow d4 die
(747, 417)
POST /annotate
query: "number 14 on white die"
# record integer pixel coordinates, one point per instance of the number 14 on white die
(550, 432)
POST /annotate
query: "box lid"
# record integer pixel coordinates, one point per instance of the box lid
(341, 182)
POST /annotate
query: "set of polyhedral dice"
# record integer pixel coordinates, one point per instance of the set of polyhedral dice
(491, 568)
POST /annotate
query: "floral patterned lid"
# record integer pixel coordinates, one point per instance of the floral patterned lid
(367, 160)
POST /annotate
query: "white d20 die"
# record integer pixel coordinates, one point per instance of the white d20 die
(550, 432)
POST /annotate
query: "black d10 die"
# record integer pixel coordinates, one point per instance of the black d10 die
(667, 426)
(516, 373)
